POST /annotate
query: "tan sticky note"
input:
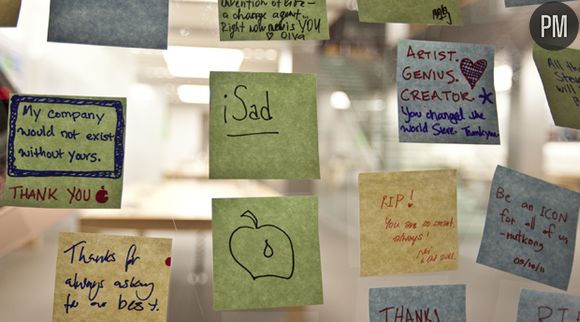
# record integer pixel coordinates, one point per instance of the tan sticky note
(9, 11)
(408, 222)
(111, 278)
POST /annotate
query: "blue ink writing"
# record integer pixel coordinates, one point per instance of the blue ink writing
(70, 305)
(93, 286)
(108, 257)
(475, 115)
(409, 115)
(485, 97)
(479, 132)
(136, 283)
(131, 259)
(74, 116)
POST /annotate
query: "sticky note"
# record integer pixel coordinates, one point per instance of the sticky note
(516, 3)
(263, 126)
(445, 12)
(560, 73)
(530, 228)
(111, 278)
(446, 93)
(127, 23)
(9, 12)
(65, 152)
(408, 222)
(418, 303)
(273, 20)
(548, 306)
(266, 252)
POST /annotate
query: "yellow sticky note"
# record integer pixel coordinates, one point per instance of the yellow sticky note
(111, 278)
(408, 222)
(9, 12)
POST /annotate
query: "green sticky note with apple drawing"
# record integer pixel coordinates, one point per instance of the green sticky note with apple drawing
(266, 252)
(263, 126)
(64, 152)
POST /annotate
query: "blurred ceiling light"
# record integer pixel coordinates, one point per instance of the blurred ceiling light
(339, 100)
(197, 62)
(503, 78)
(143, 91)
(396, 32)
(184, 32)
(259, 53)
(193, 94)
(271, 54)
(285, 62)
(376, 105)
(352, 5)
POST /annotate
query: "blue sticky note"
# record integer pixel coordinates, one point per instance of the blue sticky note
(127, 23)
(548, 307)
(446, 93)
(530, 229)
(418, 303)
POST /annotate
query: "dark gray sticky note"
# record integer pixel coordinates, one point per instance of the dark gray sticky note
(548, 306)
(418, 303)
(530, 228)
(446, 93)
(127, 23)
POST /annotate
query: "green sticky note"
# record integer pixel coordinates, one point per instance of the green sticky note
(9, 12)
(273, 20)
(65, 152)
(266, 252)
(263, 126)
(560, 73)
(445, 12)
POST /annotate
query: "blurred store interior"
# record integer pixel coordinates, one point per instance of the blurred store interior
(166, 163)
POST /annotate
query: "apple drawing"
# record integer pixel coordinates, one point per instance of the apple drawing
(102, 195)
(262, 250)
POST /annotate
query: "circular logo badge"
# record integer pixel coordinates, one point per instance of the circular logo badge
(554, 26)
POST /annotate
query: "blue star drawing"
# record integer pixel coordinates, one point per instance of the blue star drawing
(485, 96)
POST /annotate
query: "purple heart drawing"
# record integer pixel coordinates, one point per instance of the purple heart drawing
(472, 71)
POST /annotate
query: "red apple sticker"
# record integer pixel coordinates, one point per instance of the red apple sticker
(102, 195)
(262, 250)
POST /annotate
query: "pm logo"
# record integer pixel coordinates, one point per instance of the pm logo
(554, 26)
(557, 24)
